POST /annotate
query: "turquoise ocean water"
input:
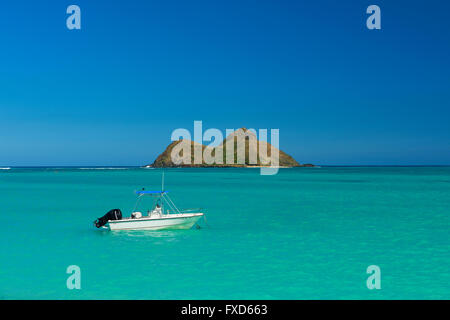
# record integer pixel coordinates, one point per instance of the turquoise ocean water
(306, 233)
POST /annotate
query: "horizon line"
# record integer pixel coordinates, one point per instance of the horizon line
(142, 166)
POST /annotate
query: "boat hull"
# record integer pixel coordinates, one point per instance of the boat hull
(173, 221)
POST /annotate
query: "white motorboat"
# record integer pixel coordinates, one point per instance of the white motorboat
(154, 219)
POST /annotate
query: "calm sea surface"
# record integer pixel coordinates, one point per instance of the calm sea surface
(306, 233)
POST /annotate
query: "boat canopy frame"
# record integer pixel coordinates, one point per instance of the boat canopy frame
(160, 195)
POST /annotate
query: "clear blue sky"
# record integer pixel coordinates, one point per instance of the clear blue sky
(112, 92)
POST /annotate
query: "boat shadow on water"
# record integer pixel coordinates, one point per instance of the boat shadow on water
(160, 234)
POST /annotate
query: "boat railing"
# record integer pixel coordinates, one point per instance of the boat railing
(191, 209)
(146, 216)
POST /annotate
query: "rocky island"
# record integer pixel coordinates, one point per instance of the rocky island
(164, 160)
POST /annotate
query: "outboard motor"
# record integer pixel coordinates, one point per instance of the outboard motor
(114, 214)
